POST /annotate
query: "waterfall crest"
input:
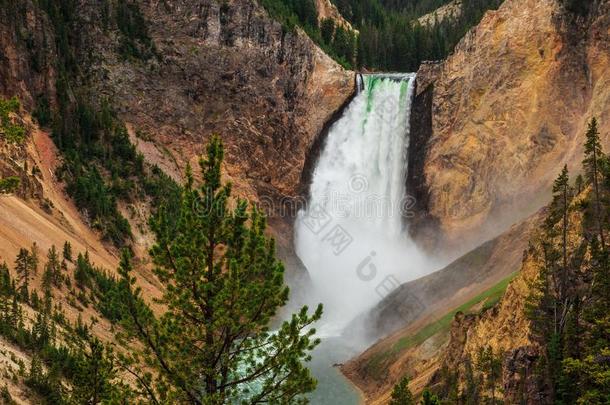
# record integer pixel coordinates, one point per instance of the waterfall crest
(352, 236)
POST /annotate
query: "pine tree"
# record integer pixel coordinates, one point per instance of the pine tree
(490, 366)
(449, 389)
(597, 313)
(344, 43)
(591, 164)
(543, 307)
(22, 267)
(561, 191)
(470, 396)
(401, 395)
(327, 30)
(53, 267)
(47, 280)
(82, 271)
(34, 260)
(93, 381)
(579, 183)
(16, 317)
(41, 332)
(428, 398)
(6, 283)
(572, 323)
(67, 252)
(223, 284)
(587, 372)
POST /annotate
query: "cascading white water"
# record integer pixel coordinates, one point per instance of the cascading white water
(352, 237)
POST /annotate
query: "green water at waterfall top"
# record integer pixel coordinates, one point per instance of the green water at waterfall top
(374, 83)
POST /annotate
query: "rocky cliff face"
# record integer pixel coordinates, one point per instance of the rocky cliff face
(27, 53)
(227, 68)
(491, 127)
(509, 109)
(217, 68)
(506, 329)
(449, 10)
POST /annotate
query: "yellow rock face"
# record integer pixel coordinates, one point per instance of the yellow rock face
(510, 108)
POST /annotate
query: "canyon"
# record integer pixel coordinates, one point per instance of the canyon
(490, 128)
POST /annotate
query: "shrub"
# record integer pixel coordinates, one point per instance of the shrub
(9, 184)
(12, 132)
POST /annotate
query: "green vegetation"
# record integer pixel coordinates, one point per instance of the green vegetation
(401, 395)
(443, 324)
(42, 113)
(12, 132)
(338, 42)
(567, 306)
(101, 166)
(68, 366)
(390, 38)
(135, 40)
(570, 298)
(428, 398)
(91, 141)
(224, 285)
(211, 344)
(487, 299)
(9, 184)
(489, 366)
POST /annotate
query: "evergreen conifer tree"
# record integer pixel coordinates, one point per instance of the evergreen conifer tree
(401, 395)
(212, 344)
(561, 200)
(22, 267)
(67, 252)
(592, 165)
(428, 398)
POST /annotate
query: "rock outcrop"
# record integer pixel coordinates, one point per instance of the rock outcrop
(326, 9)
(453, 9)
(509, 108)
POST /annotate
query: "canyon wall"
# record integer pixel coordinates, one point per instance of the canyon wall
(509, 108)
(215, 67)
(226, 68)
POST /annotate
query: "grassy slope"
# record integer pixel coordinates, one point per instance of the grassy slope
(486, 300)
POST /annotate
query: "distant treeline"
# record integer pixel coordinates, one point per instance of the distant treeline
(390, 38)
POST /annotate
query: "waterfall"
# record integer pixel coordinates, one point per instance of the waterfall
(352, 236)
